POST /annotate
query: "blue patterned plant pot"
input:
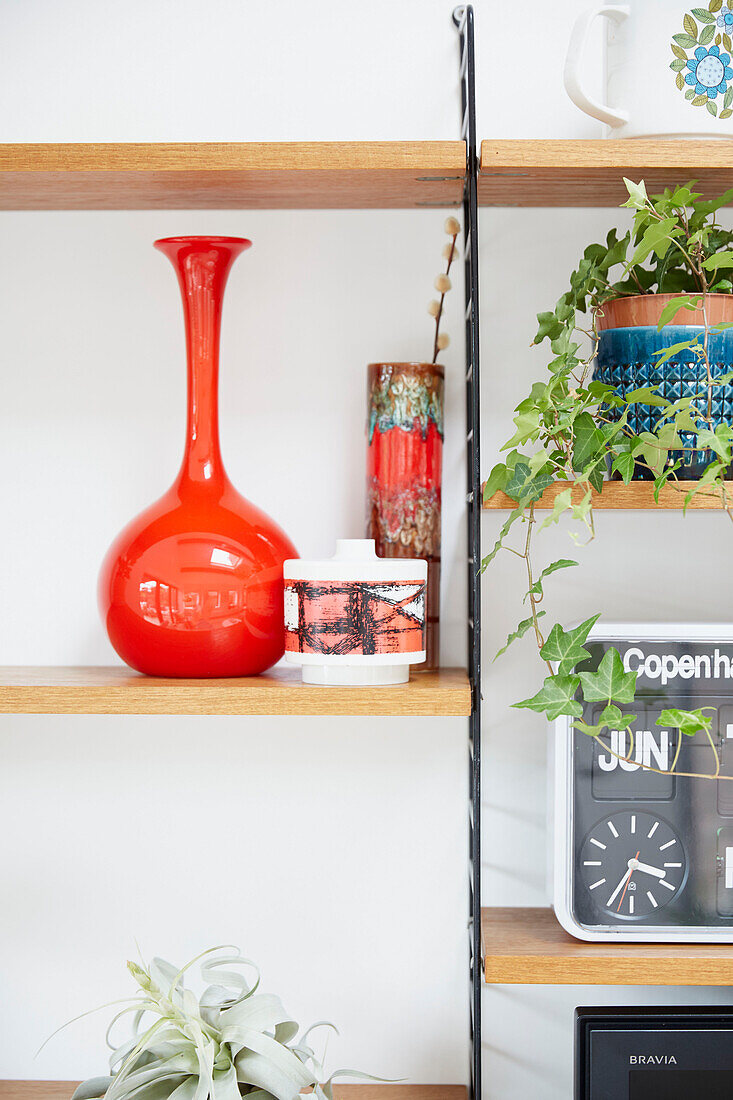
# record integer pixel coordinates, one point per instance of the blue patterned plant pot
(626, 361)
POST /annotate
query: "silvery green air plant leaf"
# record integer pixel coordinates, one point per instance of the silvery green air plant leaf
(229, 1042)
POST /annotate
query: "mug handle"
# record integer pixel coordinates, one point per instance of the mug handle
(576, 50)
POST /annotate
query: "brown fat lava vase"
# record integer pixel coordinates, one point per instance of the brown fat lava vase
(404, 471)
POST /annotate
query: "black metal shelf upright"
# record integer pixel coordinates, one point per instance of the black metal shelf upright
(463, 19)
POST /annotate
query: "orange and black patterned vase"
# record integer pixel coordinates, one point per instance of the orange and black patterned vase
(404, 471)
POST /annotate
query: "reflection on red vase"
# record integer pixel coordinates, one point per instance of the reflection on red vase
(193, 586)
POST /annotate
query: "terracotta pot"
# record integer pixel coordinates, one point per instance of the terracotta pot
(646, 309)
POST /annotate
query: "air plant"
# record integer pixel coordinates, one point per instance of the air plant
(228, 1043)
(443, 284)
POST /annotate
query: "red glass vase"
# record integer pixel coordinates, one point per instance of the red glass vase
(193, 586)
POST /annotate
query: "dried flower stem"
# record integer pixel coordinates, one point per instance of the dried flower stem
(451, 257)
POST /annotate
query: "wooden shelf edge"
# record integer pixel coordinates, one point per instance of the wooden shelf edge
(529, 947)
(232, 175)
(616, 495)
(559, 172)
(116, 690)
(213, 156)
(63, 1090)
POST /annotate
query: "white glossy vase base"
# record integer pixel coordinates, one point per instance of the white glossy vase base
(356, 675)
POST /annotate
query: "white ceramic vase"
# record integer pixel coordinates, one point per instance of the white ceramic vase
(355, 618)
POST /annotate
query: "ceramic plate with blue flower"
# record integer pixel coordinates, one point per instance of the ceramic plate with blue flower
(702, 58)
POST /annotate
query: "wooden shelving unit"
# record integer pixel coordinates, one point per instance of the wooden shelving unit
(63, 1090)
(590, 173)
(243, 175)
(66, 690)
(616, 495)
(529, 947)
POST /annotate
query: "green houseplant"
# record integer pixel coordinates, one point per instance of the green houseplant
(572, 429)
(231, 1041)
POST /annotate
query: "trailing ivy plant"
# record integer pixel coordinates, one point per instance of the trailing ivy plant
(571, 429)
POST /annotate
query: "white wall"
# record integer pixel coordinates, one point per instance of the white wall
(332, 850)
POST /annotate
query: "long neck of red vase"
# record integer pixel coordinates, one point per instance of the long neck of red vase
(203, 266)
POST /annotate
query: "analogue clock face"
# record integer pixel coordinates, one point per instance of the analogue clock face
(632, 864)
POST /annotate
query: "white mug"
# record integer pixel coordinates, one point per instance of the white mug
(669, 68)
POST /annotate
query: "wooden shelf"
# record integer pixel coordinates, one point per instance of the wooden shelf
(251, 175)
(639, 494)
(63, 1090)
(590, 173)
(528, 947)
(66, 690)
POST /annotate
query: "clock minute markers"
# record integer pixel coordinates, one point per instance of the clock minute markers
(630, 897)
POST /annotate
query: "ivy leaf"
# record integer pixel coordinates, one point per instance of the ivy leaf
(548, 326)
(596, 474)
(720, 259)
(678, 52)
(613, 717)
(666, 353)
(521, 630)
(712, 108)
(688, 722)
(689, 24)
(589, 441)
(610, 681)
(658, 234)
(726, 113)
(567, 646)
(690, 93)
(646, 395)
(553, 567)
(727, 41)
(685, 40)
(718, 441)
(677, 65)
(526, 487)
(500, 541)
(555, 697)
(707, 34)
(624, 464)
(527, 423)
(561, 503)
(715, 5)
(638, 197)
(703, 16)
(496, 481)
(707, 479)
(653, 451)
(682, 301)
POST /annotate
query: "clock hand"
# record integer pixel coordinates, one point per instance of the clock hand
(628, 880)
(621, 884)
(656, 871)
